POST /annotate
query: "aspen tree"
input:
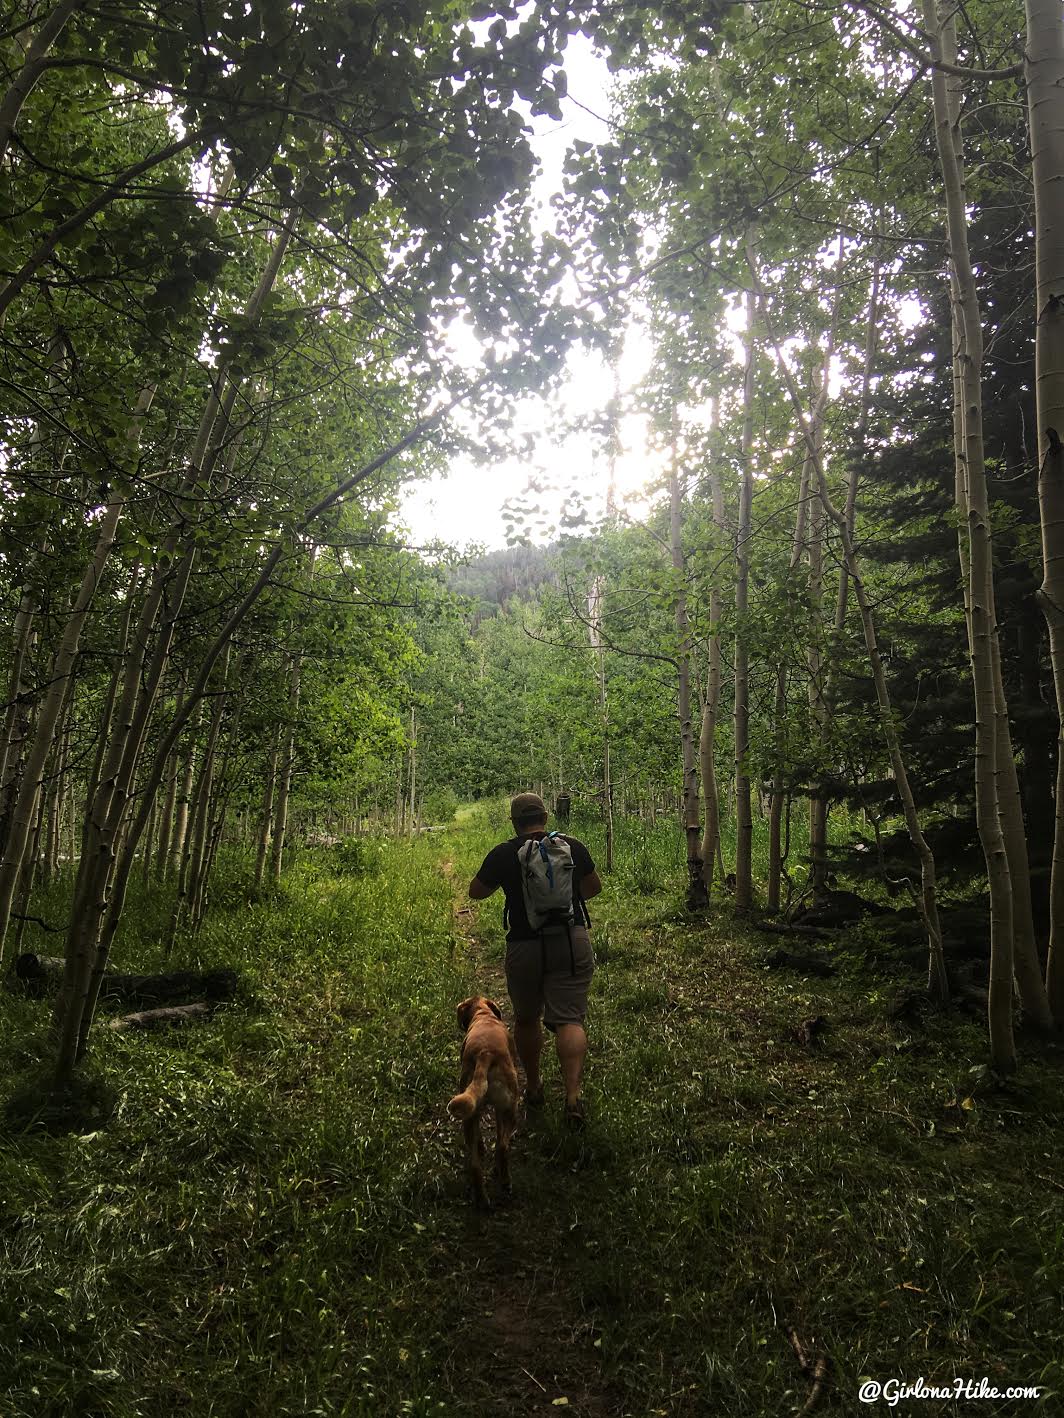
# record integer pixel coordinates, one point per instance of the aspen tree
(184, 778)
(853, 480)
(697, 895)
(818, 802)
(106, 816)
(18, 717)
(219, 807)
(1044, 77)
(744, 823)
(196, 838)
(262, 848)
(413, 771)
(26, 804)
(108, 912)
(710, 846)
(998, 810)
(594, 630)
(288, 757)
(167, 821)
(927, 898)
(775, 818)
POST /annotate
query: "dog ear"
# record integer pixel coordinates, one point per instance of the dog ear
(465, 1013)
(494, 1008)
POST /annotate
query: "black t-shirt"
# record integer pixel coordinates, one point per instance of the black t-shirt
(501, 868)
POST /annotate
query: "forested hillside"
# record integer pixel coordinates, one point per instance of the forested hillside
(803, 694)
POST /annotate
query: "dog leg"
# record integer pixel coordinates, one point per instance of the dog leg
(475, 1158)
(505, 1123)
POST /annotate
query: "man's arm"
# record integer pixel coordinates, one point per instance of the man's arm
(478, 890)
(590, 885)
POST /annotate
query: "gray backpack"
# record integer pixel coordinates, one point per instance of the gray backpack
(547, 881)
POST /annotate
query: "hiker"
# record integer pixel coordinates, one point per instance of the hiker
(549, 962)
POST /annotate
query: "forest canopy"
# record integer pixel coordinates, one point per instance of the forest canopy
(269, 271)
(235, 241)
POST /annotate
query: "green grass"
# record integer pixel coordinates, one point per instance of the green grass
(275, 1222)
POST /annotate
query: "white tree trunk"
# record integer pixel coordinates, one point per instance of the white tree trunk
(25, 806)
(1044, 75)
(998, 814)
(744, 823)
(696, 887)
(707, 749)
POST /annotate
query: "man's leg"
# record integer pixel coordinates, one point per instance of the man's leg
(528, 1038)
(571, 1043)
(524, 981)
(565, 990)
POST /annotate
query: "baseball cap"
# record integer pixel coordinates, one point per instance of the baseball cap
(527, 807)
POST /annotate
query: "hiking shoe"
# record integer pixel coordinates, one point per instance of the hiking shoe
(576, 1116)
(535, 1100)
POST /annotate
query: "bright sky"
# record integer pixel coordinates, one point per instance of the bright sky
(466, 504)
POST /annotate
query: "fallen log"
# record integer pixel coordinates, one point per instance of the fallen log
(153, 1018)
(43, 974)
(38, 973)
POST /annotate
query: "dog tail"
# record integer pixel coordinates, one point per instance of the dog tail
(464, 1105)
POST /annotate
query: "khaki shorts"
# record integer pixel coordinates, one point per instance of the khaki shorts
(544, 978)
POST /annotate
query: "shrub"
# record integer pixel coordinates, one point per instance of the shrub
(356, 856)
(440, 806)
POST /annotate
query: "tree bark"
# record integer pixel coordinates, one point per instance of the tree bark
(186, 773)
(107, 713)
(287, 767)
(223, 788)
(413, 771)
(28, 875)
(744, 823)
(62, 668)
(266, 827)
(18, 719)
(818, 802)
(154, 828)
(189, 884)
(998, 811)
(54, 809)
(594, 623)
(19, 715)
(697, 896)
(168, 821)
(779, 712)
(1044, 76)
(707, 746)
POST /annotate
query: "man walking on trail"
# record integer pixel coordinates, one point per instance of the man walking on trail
(549, 963)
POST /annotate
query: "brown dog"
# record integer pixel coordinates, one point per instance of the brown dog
(489, 1078)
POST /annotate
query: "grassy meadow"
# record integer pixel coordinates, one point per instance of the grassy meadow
(273, 1219)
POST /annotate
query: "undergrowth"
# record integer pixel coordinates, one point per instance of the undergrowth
(274, 1221)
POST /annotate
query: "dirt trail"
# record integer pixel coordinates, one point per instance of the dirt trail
(526, 1340)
